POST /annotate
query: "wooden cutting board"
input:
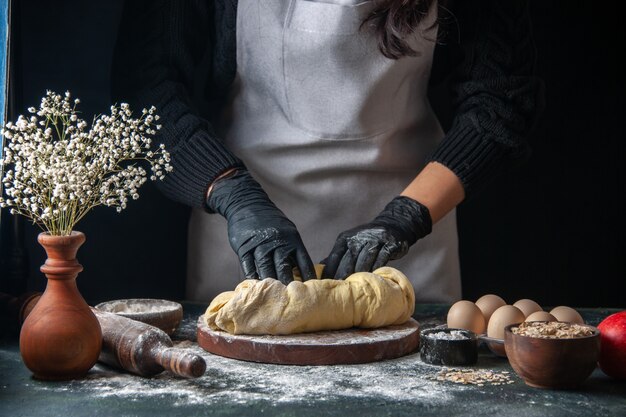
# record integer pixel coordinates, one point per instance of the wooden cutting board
(320, 348)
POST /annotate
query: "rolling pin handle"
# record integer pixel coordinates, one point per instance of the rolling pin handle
(182, 362)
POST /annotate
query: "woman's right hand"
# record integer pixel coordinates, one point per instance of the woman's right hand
(267, 242)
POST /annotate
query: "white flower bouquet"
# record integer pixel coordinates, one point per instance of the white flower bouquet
(56, 169)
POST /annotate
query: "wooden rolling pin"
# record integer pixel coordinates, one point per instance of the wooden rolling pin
(14, 310)
(143, 349)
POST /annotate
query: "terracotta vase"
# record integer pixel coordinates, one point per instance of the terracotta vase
(61, 338)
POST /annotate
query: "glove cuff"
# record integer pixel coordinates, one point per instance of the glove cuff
(234, 191)
(411, 216)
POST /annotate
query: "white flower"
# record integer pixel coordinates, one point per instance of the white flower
(87, 166)
(21, 123)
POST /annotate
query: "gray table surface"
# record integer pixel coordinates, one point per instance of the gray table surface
(399, 387)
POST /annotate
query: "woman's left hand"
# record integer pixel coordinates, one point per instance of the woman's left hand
(372, 245)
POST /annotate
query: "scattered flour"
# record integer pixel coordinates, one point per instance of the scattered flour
(229, 381)
(237, 382)
(326, 338)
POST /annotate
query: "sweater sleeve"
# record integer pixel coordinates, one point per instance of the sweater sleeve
(495, 93)
(159, 48)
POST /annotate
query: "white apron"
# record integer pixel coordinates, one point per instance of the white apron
(332, 130)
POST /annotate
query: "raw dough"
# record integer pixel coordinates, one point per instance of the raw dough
(364, 299)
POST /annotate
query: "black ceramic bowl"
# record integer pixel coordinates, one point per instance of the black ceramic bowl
(450, 347)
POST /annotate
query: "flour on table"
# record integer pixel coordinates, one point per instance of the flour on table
(237, 382)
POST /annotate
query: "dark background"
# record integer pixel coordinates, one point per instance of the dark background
(551, 231)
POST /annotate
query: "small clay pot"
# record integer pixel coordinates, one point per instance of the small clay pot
(449, 352)
(552, 363)
(164, 314)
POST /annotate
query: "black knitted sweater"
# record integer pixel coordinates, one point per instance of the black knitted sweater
(180, 57)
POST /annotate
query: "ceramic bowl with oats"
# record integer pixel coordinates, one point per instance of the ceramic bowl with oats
(555, 355)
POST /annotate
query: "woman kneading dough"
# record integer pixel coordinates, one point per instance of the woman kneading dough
(301, 130)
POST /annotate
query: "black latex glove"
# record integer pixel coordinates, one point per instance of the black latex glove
(372, 245)
(266, 241)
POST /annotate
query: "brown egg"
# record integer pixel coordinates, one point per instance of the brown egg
(540, 316)
(567, 314)
(488, 304)
(501, 318)
(466, 315)
(527, 306)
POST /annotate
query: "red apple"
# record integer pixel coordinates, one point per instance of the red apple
(613, 345)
